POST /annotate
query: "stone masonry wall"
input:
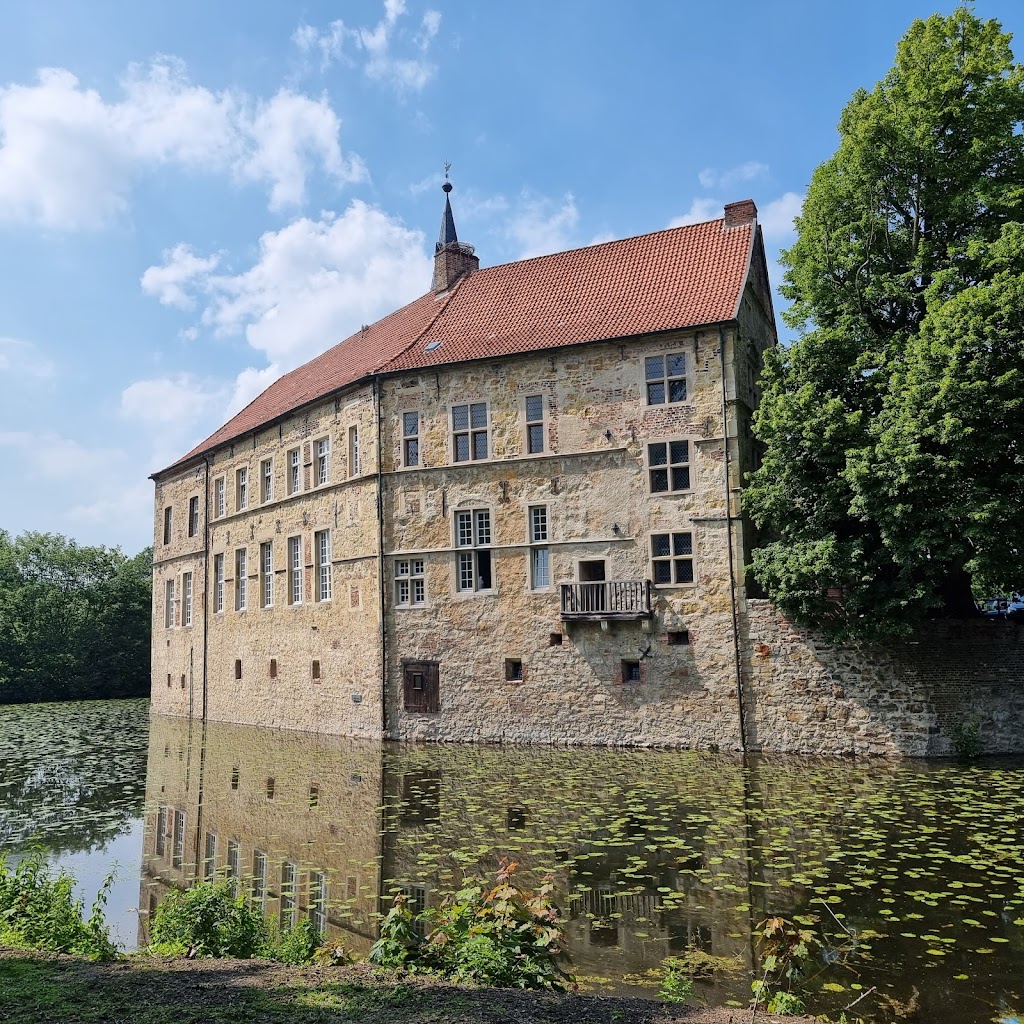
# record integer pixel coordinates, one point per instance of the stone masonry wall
(909, 698)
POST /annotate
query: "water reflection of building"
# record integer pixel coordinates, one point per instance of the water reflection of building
(295, 818)
(331, 828)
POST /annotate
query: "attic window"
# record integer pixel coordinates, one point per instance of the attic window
(431, 345)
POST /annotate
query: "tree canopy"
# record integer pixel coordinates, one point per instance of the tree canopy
(75, 621)
(893, 467)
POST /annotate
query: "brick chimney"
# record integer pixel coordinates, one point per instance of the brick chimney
(738, 214)
(452, 258)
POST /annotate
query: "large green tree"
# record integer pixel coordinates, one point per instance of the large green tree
(893, 472)
(75, 621)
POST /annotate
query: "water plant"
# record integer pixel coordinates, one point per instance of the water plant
(500, 935)
(676, 983)
(785, 953)
(38, 910)
(967, 738)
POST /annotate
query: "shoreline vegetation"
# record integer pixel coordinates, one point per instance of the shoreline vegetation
(75, 621)
(487, 953)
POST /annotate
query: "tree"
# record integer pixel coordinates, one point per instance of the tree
(893, 468)
(74, 621)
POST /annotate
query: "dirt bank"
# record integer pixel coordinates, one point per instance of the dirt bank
(36, 988)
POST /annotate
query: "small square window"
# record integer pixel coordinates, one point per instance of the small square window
(555, 640)
(513, 670)
(316, 671)
(515, 817)
(679, 638)
(668, 465)
(238, 668)
(631, 672)
(665, 378)
(273, 668)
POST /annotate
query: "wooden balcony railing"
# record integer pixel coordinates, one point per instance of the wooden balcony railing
(609, 599)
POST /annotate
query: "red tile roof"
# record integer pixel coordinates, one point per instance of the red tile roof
(679, 278)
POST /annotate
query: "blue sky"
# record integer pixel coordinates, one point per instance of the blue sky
(197, 197)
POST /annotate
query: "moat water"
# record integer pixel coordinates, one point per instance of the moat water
(911, 873)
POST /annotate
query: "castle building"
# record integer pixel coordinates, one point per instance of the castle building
(508, 511)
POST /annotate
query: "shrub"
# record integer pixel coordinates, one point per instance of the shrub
(499, 936)
(39, 911)
(210, 919)
(213, 919)
(967, 738)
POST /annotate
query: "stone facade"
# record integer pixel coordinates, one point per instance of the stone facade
(564, 566)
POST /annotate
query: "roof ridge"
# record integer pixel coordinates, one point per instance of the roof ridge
(600, 245)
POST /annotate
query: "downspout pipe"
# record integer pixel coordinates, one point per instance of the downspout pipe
(380, 558)
(728, 540)
(206, 579)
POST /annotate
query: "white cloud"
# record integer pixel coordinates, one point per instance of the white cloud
(180, 268)
(166, 401)
(712, 177)
(701, 209)
(314, 283)
(539, 228)
(375, 47)
(20, 359)
(129, 502)
(250, 383)
(49, 456)
(776, 219)
(69, 156)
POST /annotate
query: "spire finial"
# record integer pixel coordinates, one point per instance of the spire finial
(447, 186)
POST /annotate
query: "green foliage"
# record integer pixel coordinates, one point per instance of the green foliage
(74, 621)
(676, 983)
(967, 738)
(212, 919)
(39, 911)
(893, 461)
(786, 951)
(500, 936)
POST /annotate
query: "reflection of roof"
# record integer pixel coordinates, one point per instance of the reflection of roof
(682, 277)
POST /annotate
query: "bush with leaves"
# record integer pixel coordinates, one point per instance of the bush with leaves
(213, 919)
(785, 954)
(499, 936)
(38, 910)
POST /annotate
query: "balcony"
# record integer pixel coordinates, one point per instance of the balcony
(608, 599)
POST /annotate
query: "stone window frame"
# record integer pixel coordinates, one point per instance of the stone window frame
(669, 467)
(241, 488)
(168, 524)
(186, 599)
(293, 470)
(667, 379)
(266, 480)
(296, 571)
(471, 431)
(260, 872)
(354, 460)
(676, 557)
(538, 424)
(469, 549)
(322, 461)
(537, 545)
(193, 515)
(267, 574)
(410, 578)
(289, 895)
(411, 441)
(241, 579)
(220, 499)
(316, 907)
(323, 567)
(169, 602)
(218, 583)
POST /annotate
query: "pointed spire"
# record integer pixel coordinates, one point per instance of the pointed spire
(447, 234)
(452, 258)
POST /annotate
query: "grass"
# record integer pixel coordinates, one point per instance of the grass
(41, 988)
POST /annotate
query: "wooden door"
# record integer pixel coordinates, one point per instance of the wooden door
(421, 686)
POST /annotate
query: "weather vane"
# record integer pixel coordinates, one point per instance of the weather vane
(447, 168)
